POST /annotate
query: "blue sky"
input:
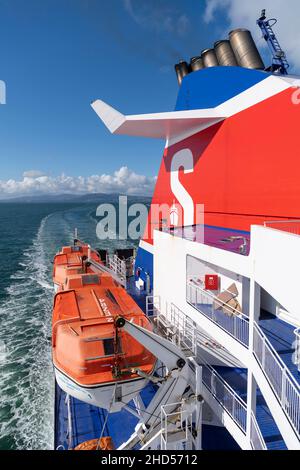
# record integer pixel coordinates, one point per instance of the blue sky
(59, 55)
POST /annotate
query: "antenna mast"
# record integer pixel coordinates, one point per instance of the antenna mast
(280, 64)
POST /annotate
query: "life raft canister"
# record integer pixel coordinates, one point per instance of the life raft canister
(105, 443)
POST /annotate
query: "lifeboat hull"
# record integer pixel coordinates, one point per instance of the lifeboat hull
(112, 397)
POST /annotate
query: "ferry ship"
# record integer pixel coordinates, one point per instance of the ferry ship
(215, 279)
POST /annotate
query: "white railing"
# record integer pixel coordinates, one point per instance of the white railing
(226, 396)
(297, 349)
(176, 325)
(153, 307)
(176, 427)
(185, 330)
(284, 385)
(226, 317)
(291, 226)
(233, 404)
(256, 438)
(117, 265)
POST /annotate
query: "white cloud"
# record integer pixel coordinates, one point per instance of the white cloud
(157, 16)
(123, 181)
(33, 174)
(212, 6)
(244, 14)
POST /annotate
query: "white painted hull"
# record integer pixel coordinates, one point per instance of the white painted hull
(102, 395)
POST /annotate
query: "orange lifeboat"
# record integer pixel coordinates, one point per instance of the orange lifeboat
(71, 260)
(94, 360)
(105, 443)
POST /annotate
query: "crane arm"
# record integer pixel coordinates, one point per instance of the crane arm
(172, 388)
(164, 350)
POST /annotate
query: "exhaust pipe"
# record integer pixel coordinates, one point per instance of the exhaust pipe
(181, 69)
(196, 63)
(209, 58)
(245, 49)
(239, 50)
(225, 54)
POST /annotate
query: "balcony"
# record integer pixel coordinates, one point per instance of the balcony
(236, 241)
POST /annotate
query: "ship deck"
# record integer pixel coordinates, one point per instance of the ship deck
(218, 237)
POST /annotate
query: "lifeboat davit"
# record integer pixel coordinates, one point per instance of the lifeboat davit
(94, 360)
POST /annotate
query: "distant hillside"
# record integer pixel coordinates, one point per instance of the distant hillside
(72, 198)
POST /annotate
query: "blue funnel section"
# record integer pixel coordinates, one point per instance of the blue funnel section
(213, 86)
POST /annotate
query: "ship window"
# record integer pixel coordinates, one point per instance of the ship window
(108, 346)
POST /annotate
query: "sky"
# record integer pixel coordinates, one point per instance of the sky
(57, 56)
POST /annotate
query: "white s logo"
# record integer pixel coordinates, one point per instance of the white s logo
(183, 159)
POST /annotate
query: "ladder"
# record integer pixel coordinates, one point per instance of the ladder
(279, 60)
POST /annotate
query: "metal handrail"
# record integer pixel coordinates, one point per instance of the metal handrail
(281, 221)
(105, 269)
(239, 411)
(184, 426)
(278, 224)
(152, 305)
(281, 380)
(185, 331)
(256, 438)
(216, 299)
(229, 400)
(276, 355)
(228, 387)
(236, 326)
(297, 334)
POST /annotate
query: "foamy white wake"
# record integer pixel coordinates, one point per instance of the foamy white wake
(26, 374)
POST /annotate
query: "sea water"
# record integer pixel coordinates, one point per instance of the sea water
(30, 235)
